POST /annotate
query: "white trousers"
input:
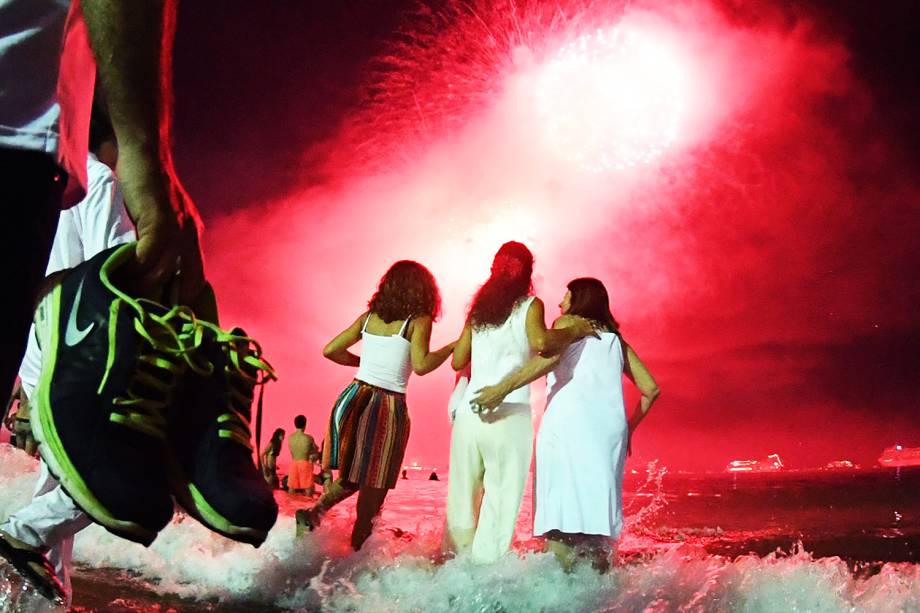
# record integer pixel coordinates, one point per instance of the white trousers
(50, 522)
(489, 462)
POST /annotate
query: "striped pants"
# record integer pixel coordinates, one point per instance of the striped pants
(367, 436)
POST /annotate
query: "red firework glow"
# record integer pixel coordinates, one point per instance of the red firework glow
(715, 174)
(611, 99)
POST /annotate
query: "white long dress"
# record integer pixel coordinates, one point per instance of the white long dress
(581, 446)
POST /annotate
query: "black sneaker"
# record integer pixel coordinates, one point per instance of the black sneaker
(110, 366)
(212, 472)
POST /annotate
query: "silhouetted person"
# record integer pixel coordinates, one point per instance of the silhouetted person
(270, 458)
(490, 450)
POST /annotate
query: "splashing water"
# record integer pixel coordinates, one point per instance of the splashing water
(652, 489)
(190, 569)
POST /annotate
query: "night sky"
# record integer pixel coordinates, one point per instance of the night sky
(766, 272)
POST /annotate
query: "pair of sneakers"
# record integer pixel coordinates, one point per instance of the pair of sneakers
(139, 403)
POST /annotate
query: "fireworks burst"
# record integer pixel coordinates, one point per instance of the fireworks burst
(611, 99)
(448, 65)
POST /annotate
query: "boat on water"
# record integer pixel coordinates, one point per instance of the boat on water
(896, 456)
(840, 465)
(771, 463)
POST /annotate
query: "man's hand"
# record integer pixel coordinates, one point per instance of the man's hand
(490, 396)
(167, 226)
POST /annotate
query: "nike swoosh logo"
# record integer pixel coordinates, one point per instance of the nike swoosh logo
(74, 335)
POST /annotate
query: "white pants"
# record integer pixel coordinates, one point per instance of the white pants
(489, 462)
(49, 522)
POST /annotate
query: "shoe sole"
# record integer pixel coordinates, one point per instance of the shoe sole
(191, 499)
(51, 448)
(45, 583)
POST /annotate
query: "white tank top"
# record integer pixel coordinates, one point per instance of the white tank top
(499, 350)
(385, 360)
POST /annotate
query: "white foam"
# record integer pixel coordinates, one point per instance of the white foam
(395, 571)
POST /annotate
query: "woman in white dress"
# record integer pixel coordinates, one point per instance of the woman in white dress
(585, 435)
(490, 451)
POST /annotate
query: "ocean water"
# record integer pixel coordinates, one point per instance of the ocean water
(790, 541)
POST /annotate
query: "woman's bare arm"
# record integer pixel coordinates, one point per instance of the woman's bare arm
(548, 342)
(424, 360)
(337, 349)
(637, 372)
(463, 349)
(491, 396)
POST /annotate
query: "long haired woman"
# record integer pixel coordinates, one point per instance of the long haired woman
(490, 451)
(369, 425)
(585, 434)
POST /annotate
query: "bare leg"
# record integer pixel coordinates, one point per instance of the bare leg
(370, 499)
(561, 546)
(335, 492)
(569, 548)
(597, 549)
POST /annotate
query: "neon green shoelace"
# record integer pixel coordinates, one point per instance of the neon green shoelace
(172, 339)
(245, 369)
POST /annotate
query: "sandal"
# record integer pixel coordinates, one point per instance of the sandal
(33, 566)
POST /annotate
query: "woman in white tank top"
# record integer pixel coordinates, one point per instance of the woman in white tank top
(369, 425)
(584, 437)
(490, 451)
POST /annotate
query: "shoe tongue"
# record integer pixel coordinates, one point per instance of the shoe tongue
(205, 305)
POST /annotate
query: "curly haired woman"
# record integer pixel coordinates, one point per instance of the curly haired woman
(369, 425)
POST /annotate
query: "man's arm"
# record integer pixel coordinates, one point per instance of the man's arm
(132, 42)
(312, 449)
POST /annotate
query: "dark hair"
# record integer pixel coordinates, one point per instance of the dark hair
(590, 300)
(275, 444)
(300, 422)
(509, 283)
(100, 127)
(406, 290)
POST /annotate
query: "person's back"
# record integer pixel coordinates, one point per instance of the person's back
(301, 445)
(369, 424)
(499, 350)
(589, 373)
(303, 451)
(385, 353)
